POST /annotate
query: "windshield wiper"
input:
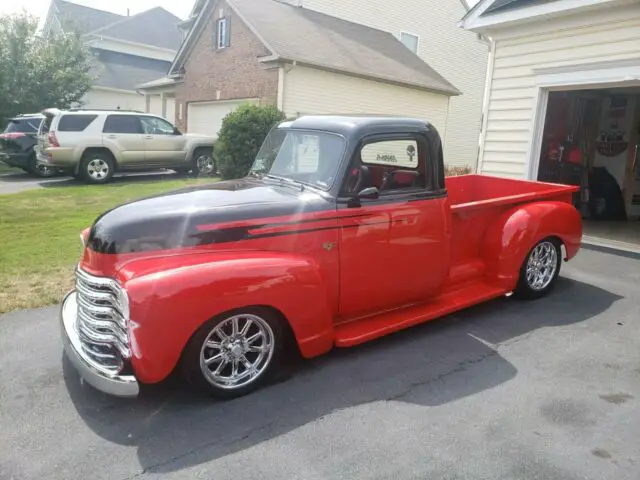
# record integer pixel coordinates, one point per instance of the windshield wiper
(286, 181)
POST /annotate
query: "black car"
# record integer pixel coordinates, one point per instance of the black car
(17, 144)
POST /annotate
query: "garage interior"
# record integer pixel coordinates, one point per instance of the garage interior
(590, 139)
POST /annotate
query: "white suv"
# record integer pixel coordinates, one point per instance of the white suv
(94, 144)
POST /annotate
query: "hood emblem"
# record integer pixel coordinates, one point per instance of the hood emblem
(328, 246)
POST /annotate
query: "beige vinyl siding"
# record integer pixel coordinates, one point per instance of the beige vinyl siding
(456, 54)
(605, 35)
(313, 91)
(112, 100)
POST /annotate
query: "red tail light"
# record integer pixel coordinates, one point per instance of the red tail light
(11, 135)
(53, 140)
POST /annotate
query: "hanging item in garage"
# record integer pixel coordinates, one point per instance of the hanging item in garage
(613, 141)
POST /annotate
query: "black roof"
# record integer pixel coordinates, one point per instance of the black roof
(349, 125)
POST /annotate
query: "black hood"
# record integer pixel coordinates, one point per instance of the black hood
(172, 219)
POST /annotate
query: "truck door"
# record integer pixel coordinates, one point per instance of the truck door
(394, 249)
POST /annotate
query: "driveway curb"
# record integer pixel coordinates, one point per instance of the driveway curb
(614, 247)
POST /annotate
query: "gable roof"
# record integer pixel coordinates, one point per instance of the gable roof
(84, 19)
(125, 72)
(296, 34)
(156, 27)
(492, 13)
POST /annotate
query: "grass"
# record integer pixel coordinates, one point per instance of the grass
(39, 236)
(4, 168)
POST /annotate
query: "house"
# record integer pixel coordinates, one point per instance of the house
(563, 96)
(321, 57)
(128, 51)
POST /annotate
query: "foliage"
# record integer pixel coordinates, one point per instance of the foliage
(38, 72)
(241, 136)
(455, 170)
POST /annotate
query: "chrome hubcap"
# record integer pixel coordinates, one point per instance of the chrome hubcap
(205, 164)
(98, 169)
(237, 351)
(542, 265)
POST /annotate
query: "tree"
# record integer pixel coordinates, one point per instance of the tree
(241, 136)
(37, 72)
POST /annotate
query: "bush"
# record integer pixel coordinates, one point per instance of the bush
(241, 136)
(456, 170)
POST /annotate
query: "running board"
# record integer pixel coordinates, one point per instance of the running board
(362, 330)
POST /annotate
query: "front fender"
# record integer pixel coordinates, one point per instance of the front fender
(171, 297)
(513, 234)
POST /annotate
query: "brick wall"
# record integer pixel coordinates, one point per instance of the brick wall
(235, 71)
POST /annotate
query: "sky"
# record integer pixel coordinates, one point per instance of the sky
(180, 8)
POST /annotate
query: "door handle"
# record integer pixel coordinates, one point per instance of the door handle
(148, 137)
(112, 136)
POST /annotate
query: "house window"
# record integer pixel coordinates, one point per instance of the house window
(222, 33)
(410, 41)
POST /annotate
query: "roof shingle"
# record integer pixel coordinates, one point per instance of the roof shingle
(125, 72)
(84, 19)
(156, 27)
(316, 39)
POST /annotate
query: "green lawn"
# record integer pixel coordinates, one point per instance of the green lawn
(4, 168)
(39, 236)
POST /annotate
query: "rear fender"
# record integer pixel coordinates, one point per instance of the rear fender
(171, 297)
(513, 234)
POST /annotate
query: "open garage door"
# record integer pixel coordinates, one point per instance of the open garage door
(206, 117)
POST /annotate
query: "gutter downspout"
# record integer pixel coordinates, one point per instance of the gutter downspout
(485, 106)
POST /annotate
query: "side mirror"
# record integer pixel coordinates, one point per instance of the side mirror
(369, 193)
(176, 131)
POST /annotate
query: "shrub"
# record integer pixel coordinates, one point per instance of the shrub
(455, 170)
(241, 136)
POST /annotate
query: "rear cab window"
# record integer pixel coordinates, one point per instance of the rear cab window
(75, 123)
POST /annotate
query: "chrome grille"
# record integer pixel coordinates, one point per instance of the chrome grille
(102, 320)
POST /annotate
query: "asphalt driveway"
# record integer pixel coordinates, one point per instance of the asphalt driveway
(508, 390)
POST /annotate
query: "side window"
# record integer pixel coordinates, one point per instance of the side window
(392, 165)
(156, 126)
(222, 33)
(122, 124)
(75, 123)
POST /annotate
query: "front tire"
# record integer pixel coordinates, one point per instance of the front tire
(540, 270)
(235, 353)
(97, 168)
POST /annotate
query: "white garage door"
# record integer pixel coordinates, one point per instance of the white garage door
(206, 117)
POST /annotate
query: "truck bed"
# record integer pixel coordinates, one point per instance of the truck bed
(471, 192)
(476, 200)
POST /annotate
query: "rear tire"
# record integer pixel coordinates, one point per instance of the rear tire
(39, 170)
(97, 167)
(203, 162)
(540, 270)
(228, 362)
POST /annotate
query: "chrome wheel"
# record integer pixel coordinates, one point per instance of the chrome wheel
(205, 164)
(98, 169)
(237, 351)
(541, 266)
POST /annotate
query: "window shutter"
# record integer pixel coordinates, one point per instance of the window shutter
(227, 40)
(215, 35)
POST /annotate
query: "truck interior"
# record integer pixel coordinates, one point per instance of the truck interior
(591, 140)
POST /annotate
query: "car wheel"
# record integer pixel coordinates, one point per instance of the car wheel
(40, 170)
(97, 167)
(235, 353)
(203, 162)
(540, 270)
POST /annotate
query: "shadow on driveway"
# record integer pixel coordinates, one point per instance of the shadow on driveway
(431, 364)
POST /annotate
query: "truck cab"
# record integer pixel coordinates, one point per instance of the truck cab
(344, 230)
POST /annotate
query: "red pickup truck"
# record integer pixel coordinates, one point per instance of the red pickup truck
(345, 230)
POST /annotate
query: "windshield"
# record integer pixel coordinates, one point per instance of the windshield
(312, 158)
(24, 125)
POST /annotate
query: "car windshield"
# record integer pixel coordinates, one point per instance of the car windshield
(307, 157)
(23, 125)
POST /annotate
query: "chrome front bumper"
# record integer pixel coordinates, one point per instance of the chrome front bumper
(92, 373)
